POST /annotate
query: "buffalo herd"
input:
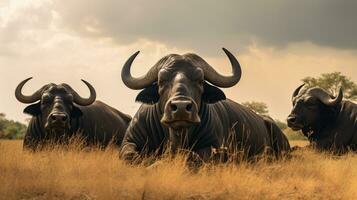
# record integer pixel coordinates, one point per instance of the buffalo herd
(184, 109)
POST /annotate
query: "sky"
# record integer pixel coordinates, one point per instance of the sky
(277, 42)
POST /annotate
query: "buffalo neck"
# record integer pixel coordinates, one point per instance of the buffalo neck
(178, 139)
(39, 126)
(328, 118)
(185, 138)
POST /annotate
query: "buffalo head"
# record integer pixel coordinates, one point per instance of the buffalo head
(179, 84)
(56, 105)
(311, 108)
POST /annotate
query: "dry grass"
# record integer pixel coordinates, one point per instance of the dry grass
(77, 174)
(299, 143)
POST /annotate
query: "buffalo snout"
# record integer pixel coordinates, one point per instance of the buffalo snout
(294, 122)
(180, 111)
(181, 106)
(57, 118)
(292, 119)
(58, 121)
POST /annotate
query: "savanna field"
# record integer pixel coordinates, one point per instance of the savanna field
(96, 174)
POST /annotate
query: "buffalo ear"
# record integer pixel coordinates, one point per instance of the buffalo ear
(33, 109)
(149, 95)
(76, 112)
(212, 94)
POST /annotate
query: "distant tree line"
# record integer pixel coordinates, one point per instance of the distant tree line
(10, 129)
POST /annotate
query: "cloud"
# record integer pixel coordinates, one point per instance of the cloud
(202, 25)
(24, 23)
(208, 24)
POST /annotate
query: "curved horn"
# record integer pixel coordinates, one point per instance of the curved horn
(82, 101)
(141, 82)
(26, 99)
(297, 90)
(325, 98)
(219, 80)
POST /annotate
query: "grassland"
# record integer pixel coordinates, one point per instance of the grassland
(74, 174)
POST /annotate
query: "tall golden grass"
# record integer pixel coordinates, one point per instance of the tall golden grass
(96, 174)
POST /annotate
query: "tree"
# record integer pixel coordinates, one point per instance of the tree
(332, 82)
(258, 107)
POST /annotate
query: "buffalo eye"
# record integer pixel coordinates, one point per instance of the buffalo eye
(70, 106)
(163, 76)
(312, 106)
(68, 99)
(297, 102)
(311, 103)
(46, 99)
(197, 76)
(161, 81)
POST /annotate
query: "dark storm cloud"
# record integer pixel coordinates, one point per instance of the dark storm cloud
(201, 24)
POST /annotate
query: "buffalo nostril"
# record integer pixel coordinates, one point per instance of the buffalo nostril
(173, 107)
(64, 118)
(292, 119)
(59, 117)
(53, 117)
(189, 107)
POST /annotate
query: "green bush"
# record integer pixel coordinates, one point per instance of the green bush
(281, 125)
(294, 135)
(10, 129)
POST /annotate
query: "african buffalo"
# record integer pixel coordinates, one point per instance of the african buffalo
(330, 123)
(182, 109)
(61, 113)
